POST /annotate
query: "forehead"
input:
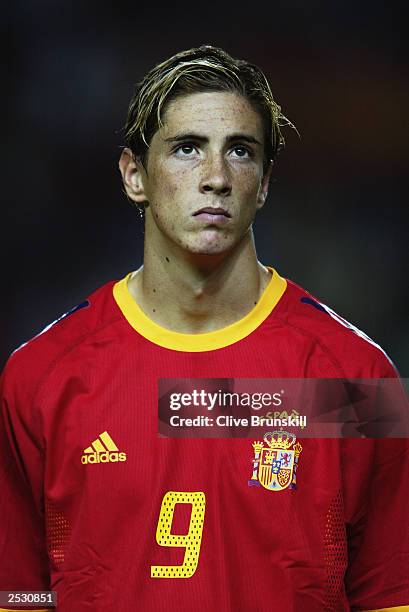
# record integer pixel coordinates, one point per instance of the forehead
(210, 111)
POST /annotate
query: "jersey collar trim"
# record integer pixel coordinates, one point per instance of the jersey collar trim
(208, 341)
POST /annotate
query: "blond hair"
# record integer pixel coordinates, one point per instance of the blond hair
(204, 68)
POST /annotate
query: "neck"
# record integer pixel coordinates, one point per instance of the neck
(194, 293)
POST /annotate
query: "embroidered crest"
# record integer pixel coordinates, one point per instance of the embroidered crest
(275, 465)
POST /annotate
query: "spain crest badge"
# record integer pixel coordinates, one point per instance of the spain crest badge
(275, 465)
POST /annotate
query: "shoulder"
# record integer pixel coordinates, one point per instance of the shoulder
(31, 361)
(355, 353)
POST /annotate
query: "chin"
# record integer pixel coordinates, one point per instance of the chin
(214, 246)
(206, 250)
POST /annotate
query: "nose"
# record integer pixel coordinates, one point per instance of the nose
(216, 177)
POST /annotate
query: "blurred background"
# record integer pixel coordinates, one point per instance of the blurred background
(336, 218)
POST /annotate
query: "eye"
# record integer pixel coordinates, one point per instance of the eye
(241, 152)
(185, 150)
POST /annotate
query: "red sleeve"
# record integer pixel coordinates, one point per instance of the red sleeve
(378, 534)
(376, 478)
(23, 551)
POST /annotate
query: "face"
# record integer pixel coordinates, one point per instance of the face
(204, 180)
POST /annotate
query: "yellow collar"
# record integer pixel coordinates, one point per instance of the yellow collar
(208, 341)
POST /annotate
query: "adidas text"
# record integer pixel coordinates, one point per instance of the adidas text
(104, 457)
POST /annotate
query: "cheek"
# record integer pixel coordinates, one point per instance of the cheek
(166, 188)
(165, 198)
(248, 187)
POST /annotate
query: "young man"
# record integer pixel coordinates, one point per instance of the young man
(95, 505)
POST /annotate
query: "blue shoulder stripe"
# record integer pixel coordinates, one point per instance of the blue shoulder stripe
(344, 323)
(63, 316)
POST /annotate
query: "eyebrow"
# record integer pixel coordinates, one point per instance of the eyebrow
(200, 138)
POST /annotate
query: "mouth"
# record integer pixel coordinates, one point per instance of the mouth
(212, 214)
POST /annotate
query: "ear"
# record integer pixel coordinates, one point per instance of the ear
(133, 174)
(262, 194)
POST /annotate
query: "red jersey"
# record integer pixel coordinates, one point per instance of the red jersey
(95, 506)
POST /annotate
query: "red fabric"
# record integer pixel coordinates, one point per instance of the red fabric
(89, 531)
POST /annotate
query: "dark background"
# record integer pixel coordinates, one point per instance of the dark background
(336, 219)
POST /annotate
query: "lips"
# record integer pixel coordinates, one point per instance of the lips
(210, 210)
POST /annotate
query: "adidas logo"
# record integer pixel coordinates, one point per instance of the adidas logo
(102, 450)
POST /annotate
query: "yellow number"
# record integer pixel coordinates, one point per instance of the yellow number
(191, 541)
